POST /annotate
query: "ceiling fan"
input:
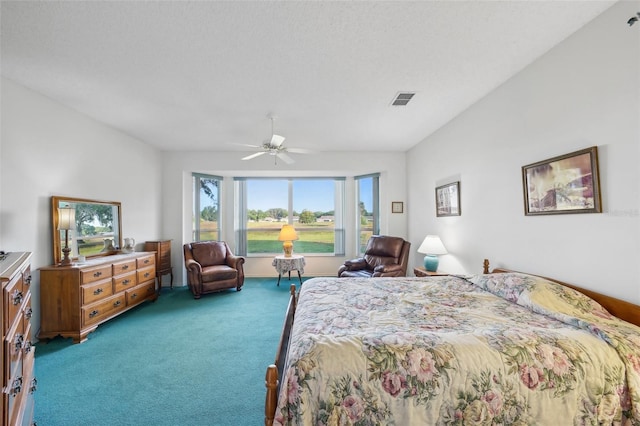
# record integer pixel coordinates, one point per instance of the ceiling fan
(275, 148)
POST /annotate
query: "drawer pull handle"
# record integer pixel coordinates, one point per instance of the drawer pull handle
(146, 275)
(27, 347)
(16, 386)
(98, 291)
(34, 385)
(125, 282)
(27, 280)
(93, 313)
(97, 274)
(125, 267)
(18, 342)
(146, 261)
(134, 295)
(117, 303)
(17, 297)
(28, 313)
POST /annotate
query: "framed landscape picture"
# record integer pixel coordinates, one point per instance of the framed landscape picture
(448, 199)
(568, 183)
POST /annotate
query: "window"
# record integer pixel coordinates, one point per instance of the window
(368, 209)
(312, 205)
(206, 207)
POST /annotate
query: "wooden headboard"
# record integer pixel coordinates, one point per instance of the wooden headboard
(621, 308)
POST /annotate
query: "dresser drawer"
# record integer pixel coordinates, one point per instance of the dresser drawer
(140, 293)
(12, 297)
(22, 413)
(91, 275)
(96, 291)
(13, 347)
(124, 267)
(146, 274)
(123, 282)
(145, 261)
(16, 387)
(98, 311)
(26, 278)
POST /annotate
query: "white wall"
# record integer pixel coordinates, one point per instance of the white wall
(177, 206)
(582, 93)
(48, 149)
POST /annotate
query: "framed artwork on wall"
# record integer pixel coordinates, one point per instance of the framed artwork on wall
(448, 200)
(397, 207)
(568, 183)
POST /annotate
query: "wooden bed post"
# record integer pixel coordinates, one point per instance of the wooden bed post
(271, 382)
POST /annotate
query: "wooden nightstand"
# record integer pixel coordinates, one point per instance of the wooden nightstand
(163, 259)
(421, 272)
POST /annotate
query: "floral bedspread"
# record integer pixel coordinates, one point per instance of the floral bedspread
(487, 349)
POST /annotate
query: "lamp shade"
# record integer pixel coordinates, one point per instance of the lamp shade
(432, 245)
(66, 218)
(288, 233)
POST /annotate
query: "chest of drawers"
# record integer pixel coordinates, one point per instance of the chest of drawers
(163, 259)
(17, 354)
(75, 299)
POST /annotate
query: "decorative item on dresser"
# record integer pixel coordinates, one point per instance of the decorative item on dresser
(17, 354)
(163, 259)
(74, 300)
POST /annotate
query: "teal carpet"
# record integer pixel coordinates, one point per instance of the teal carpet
(178, 361)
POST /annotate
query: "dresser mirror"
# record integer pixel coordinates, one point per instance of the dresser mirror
(98, 225)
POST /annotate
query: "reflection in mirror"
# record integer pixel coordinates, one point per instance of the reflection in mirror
(98, 227)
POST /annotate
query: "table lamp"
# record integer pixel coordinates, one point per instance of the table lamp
(287, 234)
(432, 247)
(66, 222)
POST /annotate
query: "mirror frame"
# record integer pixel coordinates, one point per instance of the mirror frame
(58, 235)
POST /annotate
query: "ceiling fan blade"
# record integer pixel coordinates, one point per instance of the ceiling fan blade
(276, 141)
(284, 157)
(257, 154)
(301, 151)
(244, 144)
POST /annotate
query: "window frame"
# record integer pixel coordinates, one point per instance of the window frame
(196, 232)
(242, 214)
(375, 201)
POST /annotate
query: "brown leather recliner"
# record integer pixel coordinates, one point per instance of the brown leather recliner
(211, 267)
(384, 257)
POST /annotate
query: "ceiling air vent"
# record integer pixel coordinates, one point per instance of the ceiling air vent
(402, 98)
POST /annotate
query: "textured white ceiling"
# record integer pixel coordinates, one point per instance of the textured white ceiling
(197, 75)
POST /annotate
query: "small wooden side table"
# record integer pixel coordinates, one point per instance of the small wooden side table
(163, 259)
(421, 272)
(287, 264)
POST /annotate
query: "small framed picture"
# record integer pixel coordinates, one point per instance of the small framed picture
(448, 199)
(397, 207)
(569, 183)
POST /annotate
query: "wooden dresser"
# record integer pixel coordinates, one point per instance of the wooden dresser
(75, 299)
(163, 258)
(18, 380)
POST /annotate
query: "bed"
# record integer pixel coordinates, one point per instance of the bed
(499, 348)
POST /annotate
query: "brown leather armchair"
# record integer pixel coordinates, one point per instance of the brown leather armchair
(211, 267)
(384, 257)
